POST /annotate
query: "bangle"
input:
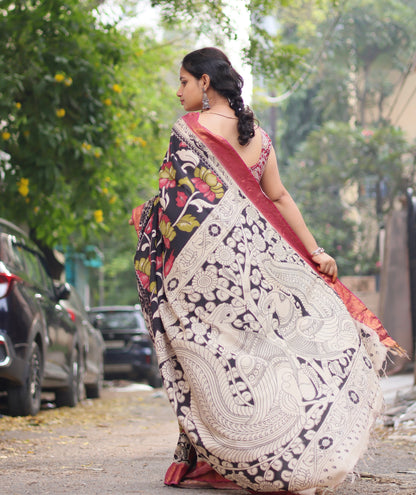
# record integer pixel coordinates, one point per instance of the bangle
(317, 251)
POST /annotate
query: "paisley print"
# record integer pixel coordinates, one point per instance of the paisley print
(275, 385)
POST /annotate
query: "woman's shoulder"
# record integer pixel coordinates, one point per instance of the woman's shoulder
(262, 132)
(187, 118)
(265, 138)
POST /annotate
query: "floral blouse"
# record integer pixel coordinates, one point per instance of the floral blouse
(266, 145)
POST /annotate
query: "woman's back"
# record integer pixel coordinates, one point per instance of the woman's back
(226, 127)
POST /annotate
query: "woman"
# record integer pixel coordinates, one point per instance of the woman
(270, 363)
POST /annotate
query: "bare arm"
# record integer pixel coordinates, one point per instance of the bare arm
(274, 189)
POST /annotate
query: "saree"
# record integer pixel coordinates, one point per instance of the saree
(272, 370)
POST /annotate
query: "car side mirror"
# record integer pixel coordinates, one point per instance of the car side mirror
(63, 291)
(96, 322)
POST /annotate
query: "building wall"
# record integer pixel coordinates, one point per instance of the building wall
(400, 108)
(404, 107)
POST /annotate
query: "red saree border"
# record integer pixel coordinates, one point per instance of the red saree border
(235, 166)
(202, 475)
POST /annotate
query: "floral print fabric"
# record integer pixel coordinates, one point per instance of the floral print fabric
(274, 384)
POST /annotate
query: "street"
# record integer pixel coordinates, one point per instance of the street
(124, 442)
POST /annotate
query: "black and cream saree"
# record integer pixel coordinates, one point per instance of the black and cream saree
(271, 369)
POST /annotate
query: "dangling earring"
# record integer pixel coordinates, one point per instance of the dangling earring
(205, 101)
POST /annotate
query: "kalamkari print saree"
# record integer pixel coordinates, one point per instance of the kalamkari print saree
(271, 369)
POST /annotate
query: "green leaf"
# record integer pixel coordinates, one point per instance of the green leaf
(187, 223)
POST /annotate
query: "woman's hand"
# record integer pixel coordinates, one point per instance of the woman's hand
(135, 217)
(326, 264)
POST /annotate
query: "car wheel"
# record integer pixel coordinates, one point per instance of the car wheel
(154, 379)
(69, 396)
(25, 399)
(94, 390)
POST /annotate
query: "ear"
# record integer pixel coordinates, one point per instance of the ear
(205, 80)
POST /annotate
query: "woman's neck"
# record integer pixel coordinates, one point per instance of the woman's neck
(218, 104)
(219, 109)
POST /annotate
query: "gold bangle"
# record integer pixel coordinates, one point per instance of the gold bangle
(317, 251)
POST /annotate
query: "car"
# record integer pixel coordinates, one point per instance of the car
(92, 347)
(40, 349)
(129, 349)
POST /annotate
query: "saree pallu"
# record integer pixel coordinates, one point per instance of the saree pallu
(271, 369)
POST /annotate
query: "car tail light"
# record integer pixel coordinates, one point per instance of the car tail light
(71, 314)
(6, 282)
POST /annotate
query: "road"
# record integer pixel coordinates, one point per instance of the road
(123, 443)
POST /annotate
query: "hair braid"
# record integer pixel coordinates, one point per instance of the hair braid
(227, 81)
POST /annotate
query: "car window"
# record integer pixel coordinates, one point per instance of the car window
(14, 256)
(35, 270)
(121, 320)
(48, 282)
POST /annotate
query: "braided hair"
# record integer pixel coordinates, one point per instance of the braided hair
(226, 81)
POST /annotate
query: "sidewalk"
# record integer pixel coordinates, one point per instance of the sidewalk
(123, 443)
(396, 385)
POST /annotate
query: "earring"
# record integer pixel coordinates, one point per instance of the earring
(205, 101)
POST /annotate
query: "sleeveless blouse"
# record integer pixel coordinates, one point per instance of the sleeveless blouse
(266, 145)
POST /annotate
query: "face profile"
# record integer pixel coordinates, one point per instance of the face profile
(190, 91)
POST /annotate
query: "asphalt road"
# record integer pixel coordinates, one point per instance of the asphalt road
(124, 442)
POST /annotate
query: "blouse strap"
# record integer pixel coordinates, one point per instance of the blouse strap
(266, 143)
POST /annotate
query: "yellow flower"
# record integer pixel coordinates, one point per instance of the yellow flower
(60, 112)
(36, 209)
(59, 77)
(142, 141)
(105, 190)
(23, 186)
(97, 153)
(5, 135)
(98, 216)
(112, 200)
(18, 105)
(108, 179)
(117, 88)
(86, 146)
(68, 81)
(107, 102)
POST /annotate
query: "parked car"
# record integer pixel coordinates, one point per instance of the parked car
(39, 344)
(92, 347)
(129, 349)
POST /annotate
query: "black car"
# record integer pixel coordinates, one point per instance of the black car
(39, 344)
(92, 347)
(129, 349)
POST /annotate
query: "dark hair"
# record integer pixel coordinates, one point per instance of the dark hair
(226, 81)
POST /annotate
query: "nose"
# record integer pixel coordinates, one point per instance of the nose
(179, 93)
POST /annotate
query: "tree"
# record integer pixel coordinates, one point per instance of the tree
(57, 86)
(79, 115)
(361, 53)
(345, 180)
(333, 123)
(267, 52)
